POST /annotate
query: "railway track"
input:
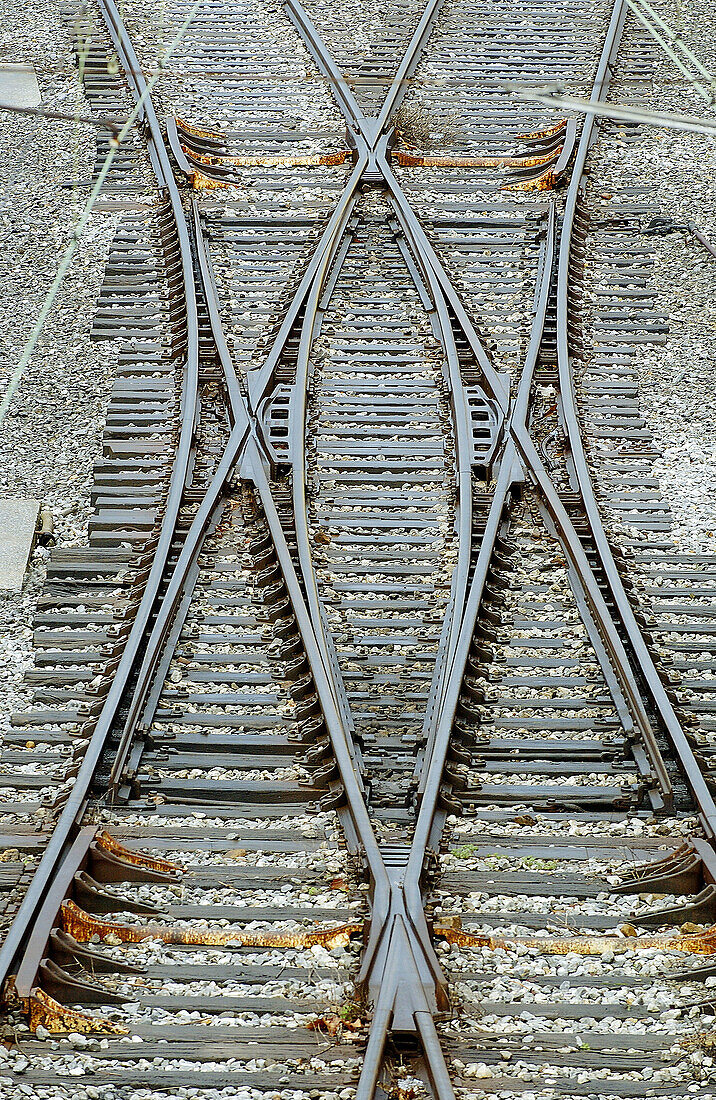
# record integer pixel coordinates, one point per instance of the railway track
(361, 763)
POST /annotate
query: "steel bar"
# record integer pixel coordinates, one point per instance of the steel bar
(692, 772)
(72, 811)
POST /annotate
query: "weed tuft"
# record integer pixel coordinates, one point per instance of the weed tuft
(418, 128)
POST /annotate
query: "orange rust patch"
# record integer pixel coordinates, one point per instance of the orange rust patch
(534, 162)
(270, 160)
(213, 135)
(200, 182)
(540, 134)
(83, 926)
(703, 943)
(138, 859)
(410, 160)
(546, 182)
(46, 1011)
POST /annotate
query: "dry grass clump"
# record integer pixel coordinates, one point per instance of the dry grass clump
(418, 128)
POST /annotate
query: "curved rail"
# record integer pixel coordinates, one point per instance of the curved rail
(253, 465)
(427, 830)
(299, 411)
(463, 447)
(67, 824)
(425, 835)
(518, 443)
(244, 451)
(259, 379)
(699, 788)
(165, 620)
(518, 431)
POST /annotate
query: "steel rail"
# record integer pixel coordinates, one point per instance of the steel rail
(435, 758)
(188, 555)
(67, 823)
(308, 293)
(245, 450)
(520, 408)
(180, 586)
(340, 87)
(400, 968)
(398, 86)
(699, 788)
(426, 836)
(259, 379)
(374, 965)
(367, 133)
(253, 467)
(297, 453)
(517, 429)
(401, 999)
(399, 953)
(519, 415)
(398, 927)
(370, 130)
(463, 446)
